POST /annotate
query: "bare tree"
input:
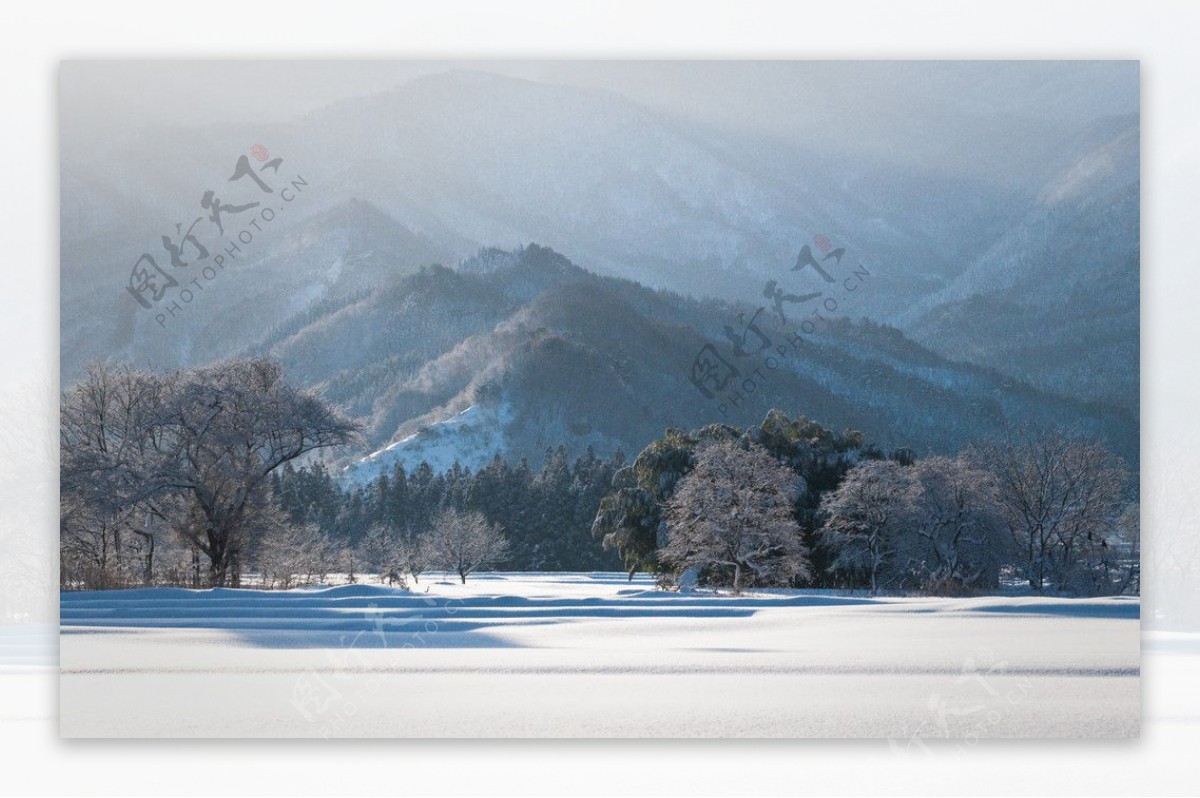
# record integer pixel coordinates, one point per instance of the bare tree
(464, 542)
(341, 557)
(376, 551)
(1123, 552)
(1110, 563)
(866, 516)
(1060, 497)
(957, 535)
(128, 439)
(390, 553)
(236, 422)
(416, 554)
(291, 554)
(735, 512)
(112, 502)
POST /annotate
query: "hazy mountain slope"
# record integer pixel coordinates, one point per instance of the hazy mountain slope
(519, 351)
(629, 192)
(327, 258)
(468, 159)
(443, 165)
(1055, 300)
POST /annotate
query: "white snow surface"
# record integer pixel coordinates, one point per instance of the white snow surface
(573, 654)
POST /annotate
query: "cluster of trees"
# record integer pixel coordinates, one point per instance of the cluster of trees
(455, 541)
(789, 503)
(188, 453)
(191, 478)
(1043, 508)
(633, 518)
(546, 514)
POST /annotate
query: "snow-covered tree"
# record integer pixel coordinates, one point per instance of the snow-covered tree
(112, 506)
(377, 550)
(290, 554)
(1060, 496)
(391, 554)
(465, 542)
(957, 540)
(1122, 560)
(866, 517)
(733, 516)
(416, 555)
(236, 422)
(211, 435)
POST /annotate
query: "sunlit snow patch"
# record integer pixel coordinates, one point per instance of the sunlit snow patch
(471, 437)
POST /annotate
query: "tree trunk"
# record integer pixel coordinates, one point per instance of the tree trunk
(147, 533)
(220, 556)
(103, 556)
(1035, 566)
(234, 571)
(218, 565)
(874, 549)
(737, 579)
(150, 562)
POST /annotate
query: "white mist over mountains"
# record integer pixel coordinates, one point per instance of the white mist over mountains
(994, 203)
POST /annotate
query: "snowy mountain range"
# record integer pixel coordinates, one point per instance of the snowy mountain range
(519, 351)
(1005, 267)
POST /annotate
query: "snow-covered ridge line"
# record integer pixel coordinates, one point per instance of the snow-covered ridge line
(470, 437)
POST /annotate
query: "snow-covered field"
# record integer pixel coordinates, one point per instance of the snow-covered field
(534, 655)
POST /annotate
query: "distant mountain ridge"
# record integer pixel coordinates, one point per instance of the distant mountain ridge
(1056, 300)
(522, 350)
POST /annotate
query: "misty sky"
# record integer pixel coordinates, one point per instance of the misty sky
(931, 109)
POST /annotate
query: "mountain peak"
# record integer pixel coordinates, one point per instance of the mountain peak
(531, 258)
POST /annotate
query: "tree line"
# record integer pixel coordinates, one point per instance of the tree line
(206, 476)
(790, 503)
(396, 522)
(191, 478)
